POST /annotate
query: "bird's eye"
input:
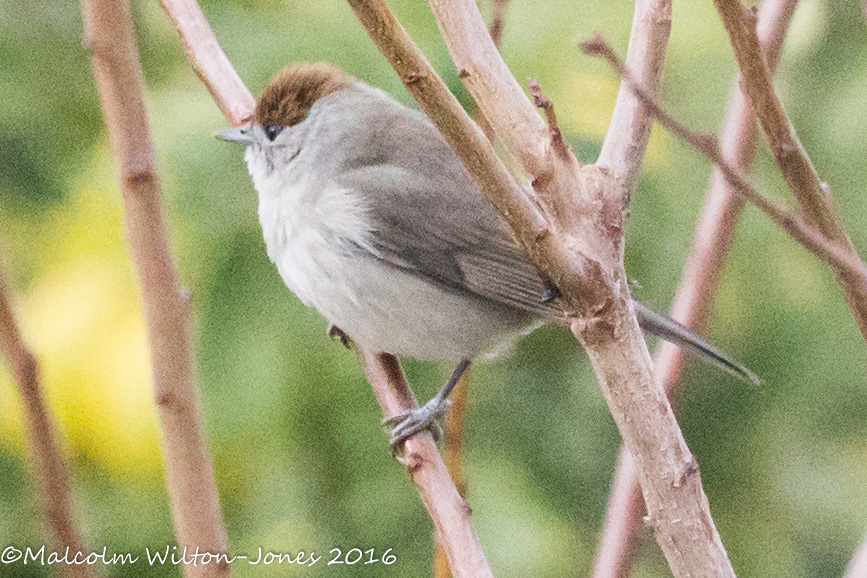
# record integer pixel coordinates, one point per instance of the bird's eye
(272, 130)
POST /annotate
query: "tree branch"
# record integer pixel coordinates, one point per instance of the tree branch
(484, 72)
(195, 505)
(453, 423)
(453, 431)
(209, 62)
(579, 248)
(448, 511)
(712, 239)
(839, 258)
(49, 469)
(812, 194)
(626, 140)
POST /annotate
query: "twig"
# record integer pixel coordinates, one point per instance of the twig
(626, 140)
(209, 61)
(578, 248)
(449, 512)
(453, 431)
(49, 468)
(811, 238)
(447, 509)
(812, 194)
(192, 492)
(543, 102)
(692, 303)
(498, 20)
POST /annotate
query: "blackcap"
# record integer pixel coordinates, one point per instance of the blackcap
(371, 218)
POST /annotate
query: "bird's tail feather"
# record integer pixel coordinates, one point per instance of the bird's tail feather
(667, 328)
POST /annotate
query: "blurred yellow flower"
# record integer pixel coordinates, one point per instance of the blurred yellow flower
(82, 317)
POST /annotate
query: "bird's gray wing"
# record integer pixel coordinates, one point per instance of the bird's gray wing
(428, 217)
(439, 227)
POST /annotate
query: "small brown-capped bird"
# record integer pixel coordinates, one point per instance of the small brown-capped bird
(371, 218)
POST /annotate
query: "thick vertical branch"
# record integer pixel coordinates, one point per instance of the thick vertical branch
(712, 239)
(49, 468)
(626, 140)
(448, 511)
(812, 194)
(189, 474)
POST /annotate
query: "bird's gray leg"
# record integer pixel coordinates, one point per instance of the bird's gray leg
(409, 423)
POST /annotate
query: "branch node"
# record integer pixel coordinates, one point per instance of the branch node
(140, 177)
(543, 102)
(165, 398)
(415, 76)
(690, 468)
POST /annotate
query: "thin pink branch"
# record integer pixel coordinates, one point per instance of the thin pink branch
(49, 468)
(192, 492)
(712, 239)
(483, 70)
(209, 61)
(812, 194)
(446, 508)
(628, 133)
(840, 258)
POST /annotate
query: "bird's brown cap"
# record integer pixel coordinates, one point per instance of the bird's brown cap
(290, 94)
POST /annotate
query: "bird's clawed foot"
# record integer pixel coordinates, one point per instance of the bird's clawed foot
(407, 424)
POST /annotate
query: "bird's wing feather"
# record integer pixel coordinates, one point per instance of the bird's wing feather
(461, 244)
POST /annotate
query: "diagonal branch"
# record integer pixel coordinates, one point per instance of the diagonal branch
(448, 510)
(210, 63)
(713, 236)
(812, 194)
(516, 123)
(857, 567)
(840, 258)
(49, 469)
(192, 492)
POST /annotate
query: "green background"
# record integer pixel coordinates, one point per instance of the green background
(301, 460)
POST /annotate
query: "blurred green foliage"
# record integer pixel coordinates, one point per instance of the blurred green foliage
(301, 461)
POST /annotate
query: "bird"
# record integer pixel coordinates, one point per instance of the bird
(371, 218)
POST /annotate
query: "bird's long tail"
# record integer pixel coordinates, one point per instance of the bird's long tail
(667, 328)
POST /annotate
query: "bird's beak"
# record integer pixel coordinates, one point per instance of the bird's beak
(236, 134)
